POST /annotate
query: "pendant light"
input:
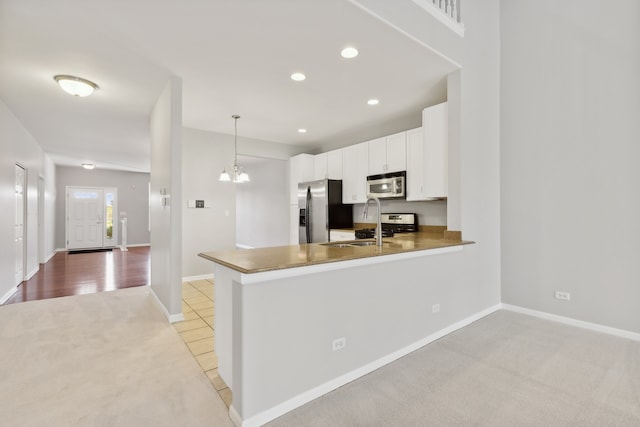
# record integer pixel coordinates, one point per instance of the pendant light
(239, 175)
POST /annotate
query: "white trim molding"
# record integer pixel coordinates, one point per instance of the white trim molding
(573, 322)
(32, 273)
(172, 318)
(8, 295)
(194, 278)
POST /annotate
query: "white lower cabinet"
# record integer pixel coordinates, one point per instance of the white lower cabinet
(355, 159)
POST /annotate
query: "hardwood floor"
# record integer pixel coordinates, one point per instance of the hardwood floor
(85, 273)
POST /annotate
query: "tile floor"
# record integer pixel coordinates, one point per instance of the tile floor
(197, 331)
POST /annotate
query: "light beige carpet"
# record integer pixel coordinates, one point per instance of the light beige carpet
(107, 359)
(504, 370)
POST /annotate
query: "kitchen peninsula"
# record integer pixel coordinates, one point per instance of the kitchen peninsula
(295, 322)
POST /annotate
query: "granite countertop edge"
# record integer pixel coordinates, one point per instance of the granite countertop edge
(258, 260)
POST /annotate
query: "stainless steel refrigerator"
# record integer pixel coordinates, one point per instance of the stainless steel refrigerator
(321, 209)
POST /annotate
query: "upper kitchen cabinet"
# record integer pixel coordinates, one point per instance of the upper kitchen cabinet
(334, 164)
(320, 166)
(301, 169)
(427, 156)
(388, 154)
(328, 165)
(354, 173)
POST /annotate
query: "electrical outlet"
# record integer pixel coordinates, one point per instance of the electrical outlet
(338, 344)
(566, 296)
(435, 308)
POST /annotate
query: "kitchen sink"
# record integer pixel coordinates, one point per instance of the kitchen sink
(337, 245)
(363, 244)
(349, 244)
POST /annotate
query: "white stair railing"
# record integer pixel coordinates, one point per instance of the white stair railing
(446, 11)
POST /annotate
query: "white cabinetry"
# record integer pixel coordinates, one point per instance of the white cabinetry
(328, 165)
(320, 166)
(387, 154)
(300, 170)
(334, 164)
(354, 173)
(427, 156)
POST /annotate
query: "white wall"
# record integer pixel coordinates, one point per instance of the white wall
(262, 205)
(166, 219)
(570, 152)
(50, 200)
(204, 156)
(18, 146)
(133, 198)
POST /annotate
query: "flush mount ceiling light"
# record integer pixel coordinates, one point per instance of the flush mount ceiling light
(301, 130)
(298, 77)
(239, 175)
(349, 52)
(373, 101)
(88, 166)
(76, 86)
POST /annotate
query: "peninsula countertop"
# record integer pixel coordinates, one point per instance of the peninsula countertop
(282, 257)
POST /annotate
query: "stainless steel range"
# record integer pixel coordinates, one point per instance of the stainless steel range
(392, 223)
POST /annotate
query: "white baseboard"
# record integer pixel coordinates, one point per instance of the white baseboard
(303, 398)
(194, 278)
(61, 250)
(137, 245)
(32, 273)
(235, 417)
(172, 318)
(240, 246)
(49, 257)
(8, 295)
(573, 322)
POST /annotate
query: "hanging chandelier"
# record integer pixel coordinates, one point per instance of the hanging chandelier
(239, 175)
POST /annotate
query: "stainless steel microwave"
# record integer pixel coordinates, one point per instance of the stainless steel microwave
(387, 185)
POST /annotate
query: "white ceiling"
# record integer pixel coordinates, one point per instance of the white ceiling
(234, 57)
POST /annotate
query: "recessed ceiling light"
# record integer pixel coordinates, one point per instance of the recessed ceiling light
(349, 52)
(373, 102)
(298, 77)
(88, 165)
(301, 130)
(76, 86)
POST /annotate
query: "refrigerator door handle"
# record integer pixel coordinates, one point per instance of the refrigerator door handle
(307, 214)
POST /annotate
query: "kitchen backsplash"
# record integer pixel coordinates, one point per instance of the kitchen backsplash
(429, 213)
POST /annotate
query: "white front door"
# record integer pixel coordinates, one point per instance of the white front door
(85, 217)
(19, 224)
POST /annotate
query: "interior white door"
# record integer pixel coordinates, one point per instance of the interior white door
(19, 224)
(85, 222)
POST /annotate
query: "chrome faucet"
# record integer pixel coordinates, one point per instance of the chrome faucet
(365, 213)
